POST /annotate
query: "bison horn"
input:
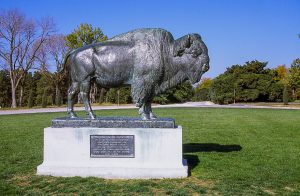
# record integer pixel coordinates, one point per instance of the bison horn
(189, 41)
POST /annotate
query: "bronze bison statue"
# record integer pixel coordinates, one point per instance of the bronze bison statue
(149, 60)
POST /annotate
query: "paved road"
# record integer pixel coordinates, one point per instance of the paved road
(188, 104)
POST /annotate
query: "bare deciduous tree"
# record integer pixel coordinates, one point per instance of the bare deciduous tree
(51, 58)
(20, 41)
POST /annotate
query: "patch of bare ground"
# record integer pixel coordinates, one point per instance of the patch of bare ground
(289, 189)
(269, 192)
(25, 180)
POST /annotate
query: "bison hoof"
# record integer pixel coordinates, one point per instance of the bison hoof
(72, 115)
(92, 116)
(145, 117)
(152, 116)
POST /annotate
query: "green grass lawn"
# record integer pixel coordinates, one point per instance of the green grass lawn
(229, 152)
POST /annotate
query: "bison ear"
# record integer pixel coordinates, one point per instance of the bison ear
(181, 44)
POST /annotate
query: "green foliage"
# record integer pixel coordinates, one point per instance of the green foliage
(44, 99)
(285, 95)
(29, 87)
(228, 151)
(85, 34)
(42, 90)
(181, 93)
(202, 92)
(30, 99)
(118, 95)
(58, 99)
(275, 91)
(5, 89)
(294, 78)
(250, 82)
(161, 99)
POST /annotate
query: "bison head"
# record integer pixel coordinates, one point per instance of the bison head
(193, 55)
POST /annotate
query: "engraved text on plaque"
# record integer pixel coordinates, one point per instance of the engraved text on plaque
(112, 146)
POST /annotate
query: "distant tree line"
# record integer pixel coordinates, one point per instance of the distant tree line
(252, 82)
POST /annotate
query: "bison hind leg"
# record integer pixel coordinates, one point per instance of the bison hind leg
(72, 91)
(152, 115)
(85, 92)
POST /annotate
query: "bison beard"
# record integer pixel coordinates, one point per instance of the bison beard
(149, 60)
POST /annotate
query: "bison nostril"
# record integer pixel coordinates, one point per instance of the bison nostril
(206, 67)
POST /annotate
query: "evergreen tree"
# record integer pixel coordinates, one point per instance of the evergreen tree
(294, 78)
(44, 98)
(250, 82)
(178, 94)
(84, 34)
(30, 102)
(5, 90)
(285, 95)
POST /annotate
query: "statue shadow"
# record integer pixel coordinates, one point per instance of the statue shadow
(193, 160)
(210, 147)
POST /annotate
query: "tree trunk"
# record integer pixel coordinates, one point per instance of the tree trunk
(21, 96)
(57, 96)
(101, 98)
(294, 94)
(285, 95)
(44, 99)
(13, 96)
(93, 93)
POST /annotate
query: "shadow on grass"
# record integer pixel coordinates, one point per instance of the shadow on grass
(193, 160)
(210, 147)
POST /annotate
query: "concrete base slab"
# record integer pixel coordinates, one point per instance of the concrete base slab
(150, 153)
(113, 172)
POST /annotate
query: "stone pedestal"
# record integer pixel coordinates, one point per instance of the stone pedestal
(126, 153)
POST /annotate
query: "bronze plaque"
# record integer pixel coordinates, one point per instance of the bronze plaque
(112, 146)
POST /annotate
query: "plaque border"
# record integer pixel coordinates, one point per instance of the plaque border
(112, 156)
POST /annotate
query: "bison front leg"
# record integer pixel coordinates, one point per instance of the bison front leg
(73, 90)
(142, 92)
(146, 111)
(85, 92)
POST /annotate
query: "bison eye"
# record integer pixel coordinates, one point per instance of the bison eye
(196, 52)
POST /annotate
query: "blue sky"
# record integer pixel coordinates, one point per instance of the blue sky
(235, 31)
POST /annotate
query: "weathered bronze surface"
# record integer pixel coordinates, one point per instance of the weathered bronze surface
(149, 60)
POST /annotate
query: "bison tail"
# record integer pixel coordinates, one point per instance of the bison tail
(66, 62)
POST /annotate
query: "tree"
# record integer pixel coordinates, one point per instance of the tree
(282, 75)
(43, 89)
(50, 57)
(250, 82)
(294, 78)
(202, 92)
(5, 91)
(85, 34)
(20, 41)
(178, 94)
